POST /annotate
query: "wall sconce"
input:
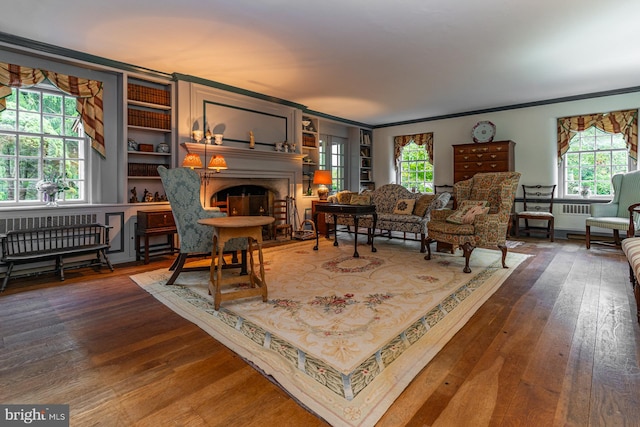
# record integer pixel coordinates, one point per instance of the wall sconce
(322, 178)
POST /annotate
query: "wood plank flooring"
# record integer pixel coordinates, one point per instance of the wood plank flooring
(557, 345)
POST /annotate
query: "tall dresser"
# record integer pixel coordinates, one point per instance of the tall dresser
(469, 159)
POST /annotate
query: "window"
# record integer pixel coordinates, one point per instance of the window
(41, 137)
(594, 156)
(415, 171)
(332, 157)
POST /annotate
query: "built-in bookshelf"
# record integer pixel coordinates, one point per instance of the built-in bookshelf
(310, 140)
(366, 161)
(149, 137)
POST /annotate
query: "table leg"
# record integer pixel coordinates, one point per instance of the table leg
(335, 230)
(355, 237)
(373, 231)
(315, 223)
(217, 295)
(263, 282)
(146, 249)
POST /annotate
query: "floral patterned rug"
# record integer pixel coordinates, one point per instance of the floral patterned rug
(343, 335)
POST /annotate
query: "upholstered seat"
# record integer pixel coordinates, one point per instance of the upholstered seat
(486, 229)
(182, 187)
(615, 214)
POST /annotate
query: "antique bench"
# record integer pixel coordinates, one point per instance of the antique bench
(55, 243)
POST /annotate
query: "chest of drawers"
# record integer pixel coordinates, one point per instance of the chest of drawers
(469, 159)
(154, 223)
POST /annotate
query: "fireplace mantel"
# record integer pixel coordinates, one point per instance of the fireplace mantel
(281, 172)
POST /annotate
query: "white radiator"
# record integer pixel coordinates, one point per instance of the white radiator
(8, 224)
(576, 209)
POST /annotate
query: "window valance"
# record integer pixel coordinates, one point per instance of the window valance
(624, 122)
(88, 95)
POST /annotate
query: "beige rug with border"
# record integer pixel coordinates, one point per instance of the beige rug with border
(344, 336)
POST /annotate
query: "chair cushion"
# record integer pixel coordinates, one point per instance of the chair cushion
(536, 214)
(611, 223)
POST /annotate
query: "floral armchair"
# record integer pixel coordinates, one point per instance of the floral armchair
(182, 186)
(486, 229)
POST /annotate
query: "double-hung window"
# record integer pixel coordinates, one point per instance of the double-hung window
(593, 148)
(332, 156)
(413, 156)
(41, 138)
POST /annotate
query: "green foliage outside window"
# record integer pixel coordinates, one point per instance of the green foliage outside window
(416, 173)
(594, 156)
(39, 138)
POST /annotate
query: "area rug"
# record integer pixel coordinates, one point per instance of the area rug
(342, 335)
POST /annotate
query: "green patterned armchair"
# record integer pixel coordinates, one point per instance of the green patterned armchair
(182, 187)
(615, 214)
(484, 229)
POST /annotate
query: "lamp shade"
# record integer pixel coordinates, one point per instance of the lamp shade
(192, 160)
(322, 177)
(218, 163)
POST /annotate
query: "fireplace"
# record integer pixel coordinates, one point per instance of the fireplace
(277, 174)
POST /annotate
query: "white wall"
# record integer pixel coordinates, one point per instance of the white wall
(533, 129)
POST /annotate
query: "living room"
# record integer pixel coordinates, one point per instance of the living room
(532, 125)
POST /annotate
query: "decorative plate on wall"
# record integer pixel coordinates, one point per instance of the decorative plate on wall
(483, 131)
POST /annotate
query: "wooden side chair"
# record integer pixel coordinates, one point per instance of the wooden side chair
(281, 225)
(537, 206)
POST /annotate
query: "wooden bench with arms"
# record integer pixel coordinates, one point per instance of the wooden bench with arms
(46, 243)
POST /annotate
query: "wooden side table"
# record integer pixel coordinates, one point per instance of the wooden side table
(355, 211)
(155, 223)
(230, 227)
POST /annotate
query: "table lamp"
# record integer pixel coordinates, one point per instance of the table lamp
(322, 178)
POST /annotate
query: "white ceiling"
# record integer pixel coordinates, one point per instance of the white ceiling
(371, 61)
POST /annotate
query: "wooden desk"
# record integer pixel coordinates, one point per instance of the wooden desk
(224, 229)
(355, 211)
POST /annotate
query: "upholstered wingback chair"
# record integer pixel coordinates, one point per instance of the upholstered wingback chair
(488, 228)
(615, 214)
(182, 186)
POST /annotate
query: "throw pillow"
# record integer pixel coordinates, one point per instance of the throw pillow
(344, 197)
(360, 199)
(457, 216)
(470, 216)
(404, 206)
(422, 204)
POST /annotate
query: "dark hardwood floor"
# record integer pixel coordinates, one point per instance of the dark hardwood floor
(557, 345)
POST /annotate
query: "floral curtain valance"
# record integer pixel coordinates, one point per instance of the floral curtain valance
(624, 122)
(400, 141)
(88, 93)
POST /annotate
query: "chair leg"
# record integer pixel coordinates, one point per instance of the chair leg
(467, 249)
(616, 237)
(427, 242)
(177, 268)
(516, 226)
(503, 248)
(422, 248)
(551, 229)
(588, 236)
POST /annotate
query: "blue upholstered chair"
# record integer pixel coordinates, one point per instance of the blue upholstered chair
(615, 214)
(182, 187)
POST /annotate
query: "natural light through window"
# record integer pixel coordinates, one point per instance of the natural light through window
(416, 172)
(41, 138)
(594, 156)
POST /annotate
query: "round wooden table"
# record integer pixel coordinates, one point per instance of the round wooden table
(230, 227)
